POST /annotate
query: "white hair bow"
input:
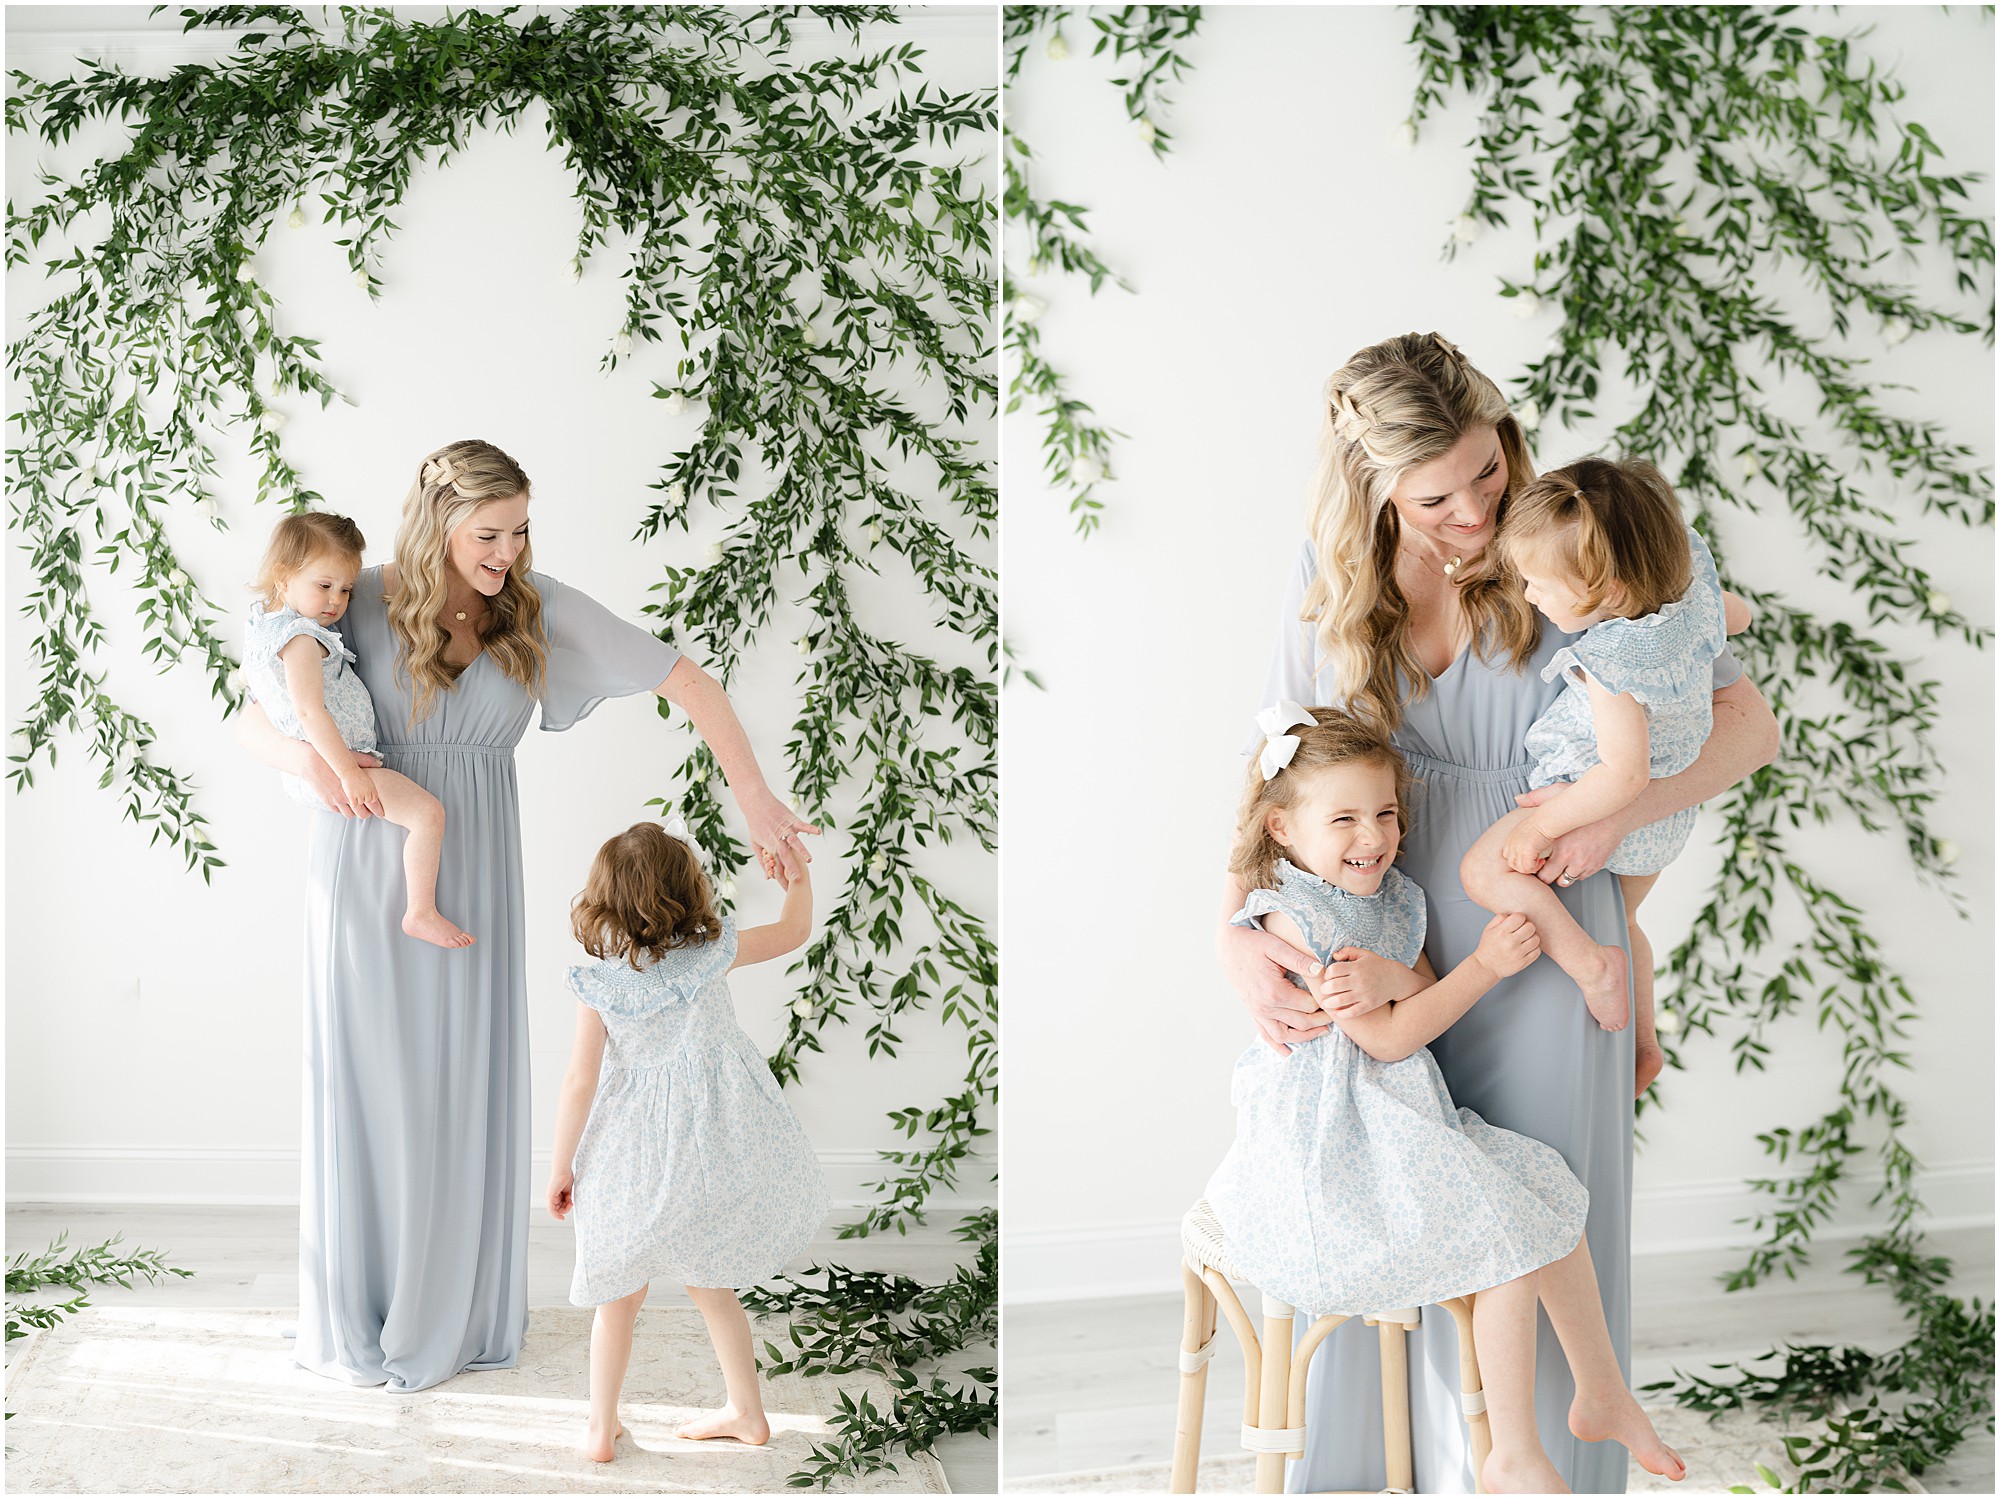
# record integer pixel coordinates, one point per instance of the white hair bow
(677, 827)
(1279, 747)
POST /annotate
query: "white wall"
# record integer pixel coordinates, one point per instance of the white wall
(153, 1024)
(1284, 233)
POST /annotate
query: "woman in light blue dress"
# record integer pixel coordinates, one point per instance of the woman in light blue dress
(414, 1205)
(1395, 608)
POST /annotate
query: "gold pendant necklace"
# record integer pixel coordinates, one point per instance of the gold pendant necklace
(1449, 568)
(460, 616)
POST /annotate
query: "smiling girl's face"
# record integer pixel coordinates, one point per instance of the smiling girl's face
(1343, 825)
(321, 589)
(486, 543)
(1454, 500)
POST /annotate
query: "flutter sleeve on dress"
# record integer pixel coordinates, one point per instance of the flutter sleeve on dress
(271, 633)
(593, 655)
(615, 987)
(1291, 675)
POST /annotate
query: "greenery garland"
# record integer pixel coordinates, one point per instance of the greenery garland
(1669, 158)
(789, 237)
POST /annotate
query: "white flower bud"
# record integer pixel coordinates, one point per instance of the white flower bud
(244, 272)
(361, 278)
(1937, 602)
(1148, 131)
(1465, 229)
(1526, 305)
(204, 506)
(23, 741)
(1752, 465)
(92, 474)
(1086, 470)
(802, 1007)
(1667, 1022)
(177, 579)
(1058, 48)
(878, 863)
(296, 219)
(235, 681)
(727, 889)
(272, 421)
(714, 553)
(1027, 308)
(1528, 416)
(805, 645)
(622, 344)
(1947, 851)
(675, 404)
(811, 337)
(1404, 135)
(1894, 331)
(874, 533)
(1749, 847)
(677, 493)
(1034, 265)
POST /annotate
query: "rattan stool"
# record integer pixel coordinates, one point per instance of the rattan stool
(1274, 1374)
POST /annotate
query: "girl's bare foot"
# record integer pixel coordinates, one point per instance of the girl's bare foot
(1520, 1473)
(1618, 1418)
(1607, 991)
(597, 1446)
(429, 926)
(1651, 1060)
(750, 1428)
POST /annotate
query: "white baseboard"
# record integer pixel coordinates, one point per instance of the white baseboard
(230, 1177)
(1144, 1258)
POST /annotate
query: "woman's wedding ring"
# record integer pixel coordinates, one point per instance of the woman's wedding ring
(1568, 879)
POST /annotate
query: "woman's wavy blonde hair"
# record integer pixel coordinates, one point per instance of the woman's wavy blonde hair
(452, 484)
(646, 893)
(1393, 407)
(1334, 738)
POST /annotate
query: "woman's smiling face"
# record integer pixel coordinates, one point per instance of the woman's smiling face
(487, 542)
(1453, 501)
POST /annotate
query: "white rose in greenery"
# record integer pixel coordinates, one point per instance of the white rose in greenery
(1947, 851)
(802, 1007)
(874, 533)
(1404, 135)
(675, 404)
(878, 863)
(244, 272)
(272, 421)
(1528, 416)
(22, 741)
(1894, 331)
(1752, 466)
(1526, 305)
(1148, 131)
(92, 474)
(205, 507)
(1058, 48)
(677, 493)
(1937, 602)
(727, 889)
(1667, 1022)
(1086, 470)
(622, 344)
(235, 680)
(1027, 308)
(1749, 847)
(714, 553)
(805, 645)
(296, 219)
(1465, 229)
(361, 278)
(177, 579)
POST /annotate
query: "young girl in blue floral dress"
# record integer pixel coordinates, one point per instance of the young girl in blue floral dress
(691, 1166)
(1354, 1185)
(1601, 548)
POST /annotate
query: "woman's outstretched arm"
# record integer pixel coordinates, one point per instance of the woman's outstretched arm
(701, 697)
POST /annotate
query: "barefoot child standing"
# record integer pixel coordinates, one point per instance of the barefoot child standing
(690, 1165)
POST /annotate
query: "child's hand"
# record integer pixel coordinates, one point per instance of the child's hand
(1525, 847)
(1357, 981)
(562, 1183)
(358, 786)
(1509, 944)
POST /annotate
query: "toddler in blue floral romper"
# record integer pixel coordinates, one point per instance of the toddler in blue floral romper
(1601, 548)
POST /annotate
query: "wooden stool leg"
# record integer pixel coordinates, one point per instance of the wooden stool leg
(1197, 1345)
(1274, 1398)
(1472, 1395)
(1397, 1453)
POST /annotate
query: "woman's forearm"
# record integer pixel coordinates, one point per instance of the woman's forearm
(701, 697)
(262, 742)
(1744, 739)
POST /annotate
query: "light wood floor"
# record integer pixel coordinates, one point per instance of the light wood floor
(1093, 1384)
(249, 1257)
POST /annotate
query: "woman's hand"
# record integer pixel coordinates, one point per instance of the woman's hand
(1256, 965)
(1579, 853)
(317, 774)
(562, 1187)
(1509, 944)
(1357, 981)
(775, 829)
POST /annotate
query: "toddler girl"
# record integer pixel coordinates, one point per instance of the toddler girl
(298, 670)
(1354, 1185)
(1601, 548)
(691, 1165)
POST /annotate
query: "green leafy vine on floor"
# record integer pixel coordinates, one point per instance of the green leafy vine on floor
(1671, 159)
(792, 240)
(1076, 447)
(60, 1269)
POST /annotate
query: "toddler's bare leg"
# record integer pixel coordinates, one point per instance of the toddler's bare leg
(610, 1352)
(1598, 969)
(409, 806)
(1649, 1057)
(729, 1330)
(1503, 1325)
(1604, 1408)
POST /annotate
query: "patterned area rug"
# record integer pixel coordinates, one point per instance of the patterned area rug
(149, 1400)
(1719, 1455)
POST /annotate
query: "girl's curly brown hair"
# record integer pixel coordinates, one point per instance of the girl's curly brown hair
(646, 893)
